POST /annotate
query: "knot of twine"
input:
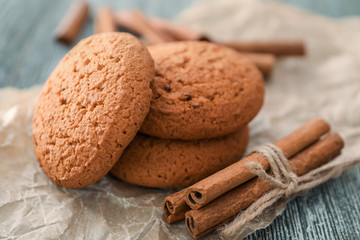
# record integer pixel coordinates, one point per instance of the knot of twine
(286, 184)
(283, 178)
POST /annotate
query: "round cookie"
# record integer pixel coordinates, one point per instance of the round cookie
(155, 162)
(201, 90)
(91, 107)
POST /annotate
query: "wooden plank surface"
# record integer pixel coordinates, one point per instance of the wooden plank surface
(28, 54)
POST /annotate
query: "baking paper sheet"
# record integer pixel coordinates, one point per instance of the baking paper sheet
(325, 83)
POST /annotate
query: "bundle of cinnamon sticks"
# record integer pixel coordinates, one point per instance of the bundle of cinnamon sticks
(217, 199)
(156, 30)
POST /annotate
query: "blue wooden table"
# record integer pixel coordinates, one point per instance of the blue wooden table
(28, 53)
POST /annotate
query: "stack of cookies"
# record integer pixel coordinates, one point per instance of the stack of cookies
(167, 118)
(204, 95)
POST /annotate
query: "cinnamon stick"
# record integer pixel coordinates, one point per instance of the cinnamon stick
(210, 188)
(178, 32)
(277, 48)
(263, 61)
(104, 21)
(280, 49)
(225, 208)
(72, 22)
(174, 206)
(136, 22)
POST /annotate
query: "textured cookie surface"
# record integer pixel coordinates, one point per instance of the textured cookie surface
(201, 90)
(91, 107)
(155, 162)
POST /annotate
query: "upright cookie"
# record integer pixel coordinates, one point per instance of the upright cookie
(201, 90)
(91, 107)
(155, 162)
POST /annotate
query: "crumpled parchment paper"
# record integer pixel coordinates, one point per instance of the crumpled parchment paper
(325, 83)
